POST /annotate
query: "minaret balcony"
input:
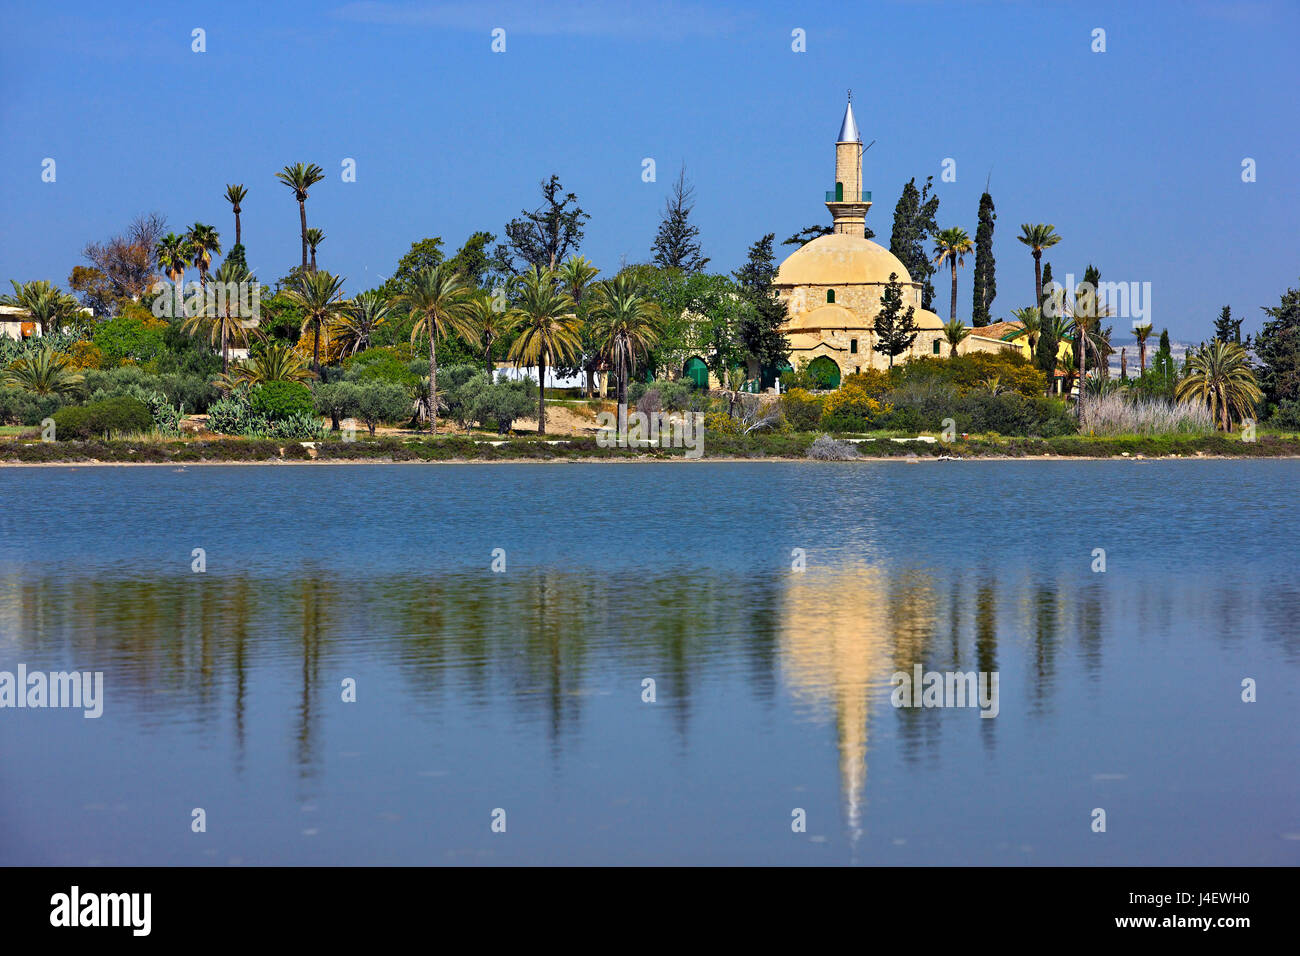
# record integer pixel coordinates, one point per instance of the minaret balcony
(837, 195)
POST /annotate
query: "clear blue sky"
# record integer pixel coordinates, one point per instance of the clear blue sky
(1134, 154)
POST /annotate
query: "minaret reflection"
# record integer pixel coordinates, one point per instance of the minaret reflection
(841, 631)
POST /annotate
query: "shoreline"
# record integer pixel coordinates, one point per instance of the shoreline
(769, 459)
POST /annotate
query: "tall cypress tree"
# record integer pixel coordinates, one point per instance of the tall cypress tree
(1048, 343)
(676, 246)
(759, 329)
(986, 287)
(914, 226)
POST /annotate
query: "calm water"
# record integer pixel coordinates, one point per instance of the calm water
(522, 690)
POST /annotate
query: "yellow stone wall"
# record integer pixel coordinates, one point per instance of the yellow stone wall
(863, 298)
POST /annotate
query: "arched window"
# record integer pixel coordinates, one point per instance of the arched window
(830, 295)
(839, 192)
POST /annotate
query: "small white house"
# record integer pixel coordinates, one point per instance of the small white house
(16, 324)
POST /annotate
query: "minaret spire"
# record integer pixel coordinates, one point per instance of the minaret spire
(849, 128)
(848, 203)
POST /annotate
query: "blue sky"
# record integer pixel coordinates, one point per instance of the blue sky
(1134, 154)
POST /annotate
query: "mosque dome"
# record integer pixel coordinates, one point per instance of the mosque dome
(838, 260)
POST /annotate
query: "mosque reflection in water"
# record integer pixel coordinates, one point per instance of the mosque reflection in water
(824, 642)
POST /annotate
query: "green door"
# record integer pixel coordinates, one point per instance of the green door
(697, 372)
(825, 372)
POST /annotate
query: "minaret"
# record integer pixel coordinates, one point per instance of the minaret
(848, 203)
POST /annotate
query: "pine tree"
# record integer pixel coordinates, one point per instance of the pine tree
(676, 245)
(986, 287)
(1226, 328)
(914, 226)
(1278, 348)
(544, 237)
(808, 234)
(895, 330)
(759, 329)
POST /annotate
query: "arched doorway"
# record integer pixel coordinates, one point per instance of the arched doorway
(825, 372)
(697, 372)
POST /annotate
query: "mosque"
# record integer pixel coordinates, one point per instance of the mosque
(832, 286)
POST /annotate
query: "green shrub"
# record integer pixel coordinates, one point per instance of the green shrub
(121, 415)
(1286, 416)
(850, 409)
(924, 404)
(275, 401)
(377, 402)
(495, 404)
(974, 372)
(128, 338)
(20, 407)
(166, 417)
(185, 390)
(233, 415)
(665, 395)
(336, 399)
(296, 426)
(802, 409)
(450, 381)
(381, 364)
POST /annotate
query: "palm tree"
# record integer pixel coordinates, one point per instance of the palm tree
(1031, 319)
(549, 331)
(319, 295)
(490, 323)
(173, 253)
(314, 238)
(204, 243)
(223, 328)
(1085, 316)
(1141, 329)
(235, 195)
(354, 329)
(954, 333)
(44, 372)
(625, 325)
(275, 362)
(574, 275)
(953, 245)
(301, 178)
(1037, 238)
(438, 300)
(46, 304)
(1219, 375)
